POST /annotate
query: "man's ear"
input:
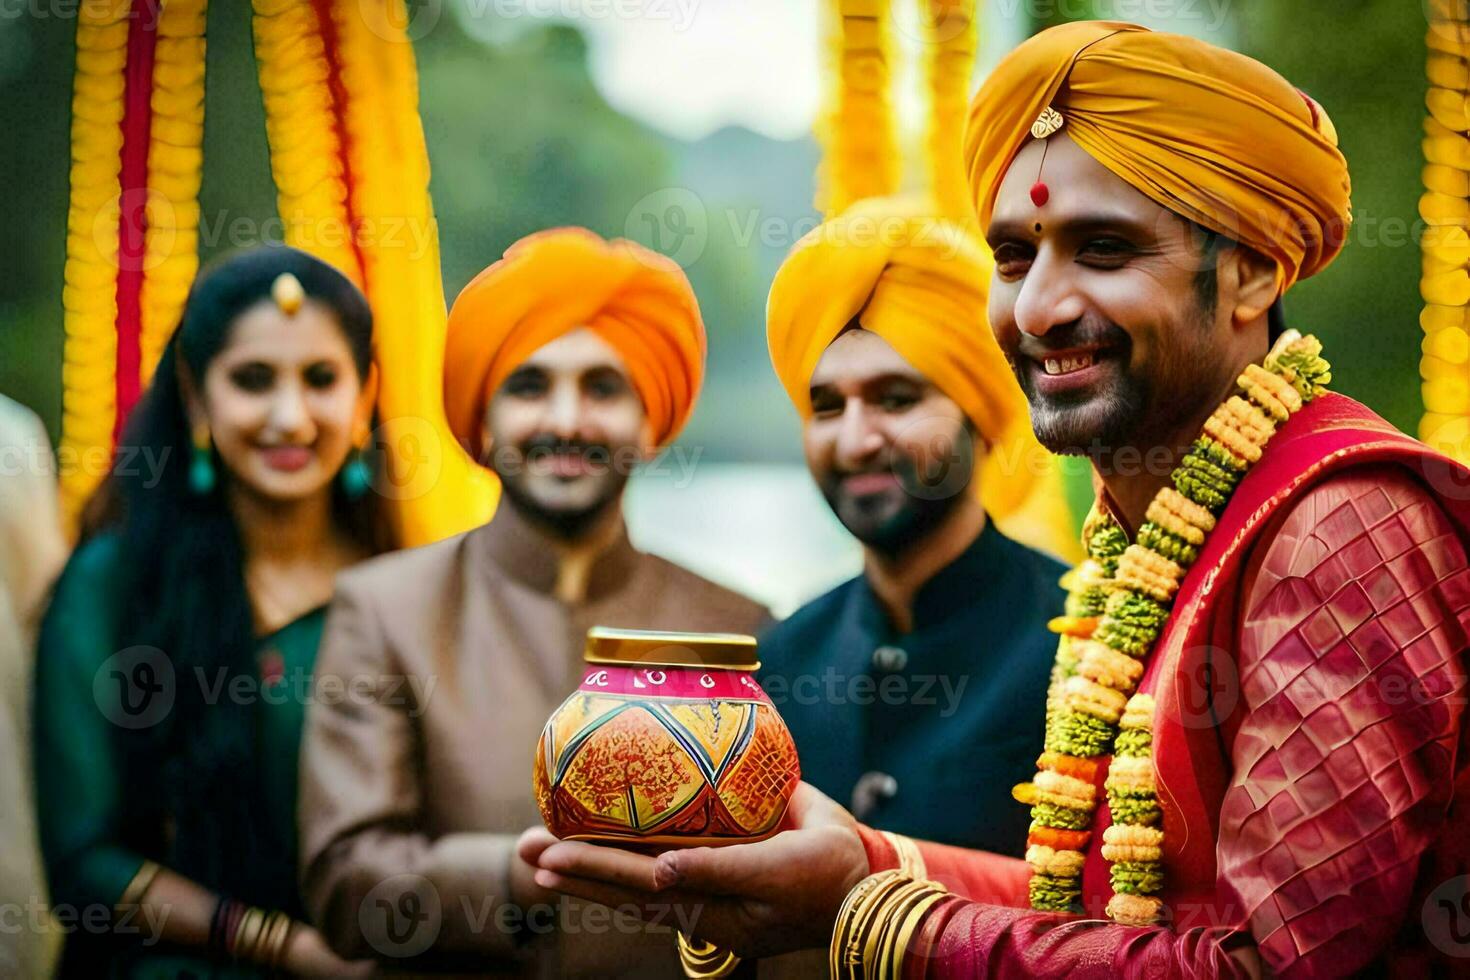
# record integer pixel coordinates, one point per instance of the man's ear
(1257, 284)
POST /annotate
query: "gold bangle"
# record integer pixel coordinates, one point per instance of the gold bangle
(885, 918)
(247, 934)
(268, 937)
(273, 940)
(138, 886)
(865, 920)
(855, 899)
(876, 922)
(893, 957)
(704, 961)
(843, 955)
(910, 858)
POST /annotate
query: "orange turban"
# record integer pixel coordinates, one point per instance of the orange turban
(1210, 134)
(920, 283)
(555, 281)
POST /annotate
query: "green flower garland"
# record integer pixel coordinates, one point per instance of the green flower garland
(1118, 604)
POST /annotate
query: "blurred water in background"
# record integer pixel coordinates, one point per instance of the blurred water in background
(759, 528)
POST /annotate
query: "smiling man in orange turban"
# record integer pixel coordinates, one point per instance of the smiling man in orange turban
(568, 361)
(636, 301)
(891, 267)
(1255, 755)
(916, 434)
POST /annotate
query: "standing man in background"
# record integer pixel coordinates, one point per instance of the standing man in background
(914, 429)
(567, 362)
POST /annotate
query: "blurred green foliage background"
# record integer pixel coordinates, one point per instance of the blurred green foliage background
(520, 139)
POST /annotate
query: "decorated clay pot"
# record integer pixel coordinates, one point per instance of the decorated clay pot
(668, 741)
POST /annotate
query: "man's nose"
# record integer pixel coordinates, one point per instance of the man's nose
(1048, 296)
(564, 410)
(859, 437)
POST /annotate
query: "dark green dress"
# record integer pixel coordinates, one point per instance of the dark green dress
(98, 818)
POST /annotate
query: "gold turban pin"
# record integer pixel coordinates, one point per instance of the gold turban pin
(1047, 123)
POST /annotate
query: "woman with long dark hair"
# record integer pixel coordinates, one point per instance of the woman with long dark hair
(175, 661)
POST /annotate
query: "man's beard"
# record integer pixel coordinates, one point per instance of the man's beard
(890, 524)
(1100, 422)
(1136, 407)
(565, 521)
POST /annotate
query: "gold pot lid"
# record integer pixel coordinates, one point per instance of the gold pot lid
(721, 651)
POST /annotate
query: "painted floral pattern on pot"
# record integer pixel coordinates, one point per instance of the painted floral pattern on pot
(666, 752)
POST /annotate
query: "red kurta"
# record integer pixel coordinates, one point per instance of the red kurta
(1310, 745)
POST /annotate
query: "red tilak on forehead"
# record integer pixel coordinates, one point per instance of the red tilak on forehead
(1040, 193)
(1046, 124)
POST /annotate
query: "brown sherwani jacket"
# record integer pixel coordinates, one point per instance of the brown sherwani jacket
(437, 670)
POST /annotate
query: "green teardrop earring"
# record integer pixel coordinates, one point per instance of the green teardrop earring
(356, 477)
(201, 463)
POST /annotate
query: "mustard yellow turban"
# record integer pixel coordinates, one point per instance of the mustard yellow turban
(920, 283)
(555, 281)
(1212, 135)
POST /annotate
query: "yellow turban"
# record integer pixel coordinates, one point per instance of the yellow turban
(920, 283)
(1210, 134)
(555, 281)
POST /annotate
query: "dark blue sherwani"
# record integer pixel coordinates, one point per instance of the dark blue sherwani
(924, 733)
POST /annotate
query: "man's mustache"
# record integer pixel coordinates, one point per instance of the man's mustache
(898, 465)
(1086, 332)
(882, 466)
(538, 447)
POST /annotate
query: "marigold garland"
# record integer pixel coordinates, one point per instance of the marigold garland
(351, 170)
(120, 305)
(89, 295)
(951, 39)
(1118, 604)
(857, 129)
(1445, 244)
(175, 165)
